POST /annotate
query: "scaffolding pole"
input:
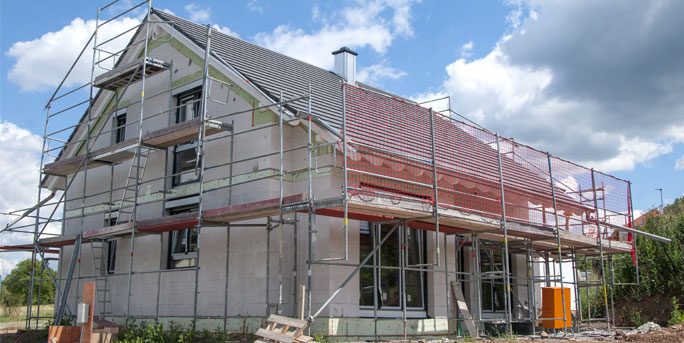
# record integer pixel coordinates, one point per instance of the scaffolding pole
(507, 281)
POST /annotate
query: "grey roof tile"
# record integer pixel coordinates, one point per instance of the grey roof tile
(272, 72)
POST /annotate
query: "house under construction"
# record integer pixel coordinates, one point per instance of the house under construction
(212, 180)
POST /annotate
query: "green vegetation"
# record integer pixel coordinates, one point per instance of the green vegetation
(17, 284)
(661, 272)
(155, 333)
(677, 315)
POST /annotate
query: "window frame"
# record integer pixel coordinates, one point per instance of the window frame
(119, 127)
(495, 285)
(174, 257)
(192, 96)
(111, 219)
(111, 256)
(376, 267)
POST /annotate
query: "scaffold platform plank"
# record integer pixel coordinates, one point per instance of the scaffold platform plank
(25, 247)
(221, 215)
(58, 241)
(455, 221)
(116, 153)
(130, 72)
(252, 210)
(122, 229)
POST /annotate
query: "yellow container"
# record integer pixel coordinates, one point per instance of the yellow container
(552, 307)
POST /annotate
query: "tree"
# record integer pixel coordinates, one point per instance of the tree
(17, 283)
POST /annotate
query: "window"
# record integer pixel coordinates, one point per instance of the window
(185, 155)
(492, 284)
(387, 271)
(111, 256)
(120, 128)
(183, 244)
(111, 219)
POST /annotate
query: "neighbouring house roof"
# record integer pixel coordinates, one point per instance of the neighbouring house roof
(641, 220)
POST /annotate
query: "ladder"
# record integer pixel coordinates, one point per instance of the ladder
(99, 249)
(133, 180)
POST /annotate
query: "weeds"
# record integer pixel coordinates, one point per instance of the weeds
(154, 333)
(677, 315)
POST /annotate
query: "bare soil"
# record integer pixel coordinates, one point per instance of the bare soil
(673, 334)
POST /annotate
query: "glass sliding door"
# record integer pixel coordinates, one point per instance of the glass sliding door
(493, 283)
(381, 278)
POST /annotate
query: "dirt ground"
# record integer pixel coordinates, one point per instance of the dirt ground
(673, 334)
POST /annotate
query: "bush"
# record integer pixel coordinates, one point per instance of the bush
(10, 304)
(677, 315)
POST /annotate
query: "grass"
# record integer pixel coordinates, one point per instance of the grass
(19, 313)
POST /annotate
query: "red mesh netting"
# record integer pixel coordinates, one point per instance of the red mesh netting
(390, 155)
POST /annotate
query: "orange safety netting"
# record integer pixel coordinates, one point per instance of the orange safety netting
(389, 154)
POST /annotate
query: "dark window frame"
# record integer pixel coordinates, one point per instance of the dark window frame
(187, 239)
(185, 155)
(386, 269)
(120, 128)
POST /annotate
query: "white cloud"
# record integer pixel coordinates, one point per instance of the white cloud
(42, 63)
(375, 73)
(363, 24)
(679, 164)
(633, 151)
(466, 49)
(19, 165)
(197, 13)
(255, 6)
(571, 89)
(226, 30)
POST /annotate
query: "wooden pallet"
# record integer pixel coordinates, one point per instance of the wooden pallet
(283, 330)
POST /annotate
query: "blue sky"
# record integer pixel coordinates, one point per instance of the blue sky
(599, 83)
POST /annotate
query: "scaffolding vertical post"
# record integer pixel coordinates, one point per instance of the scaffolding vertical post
(267, 294)
(578, 303)
(558, 241)
(435, 199)
(402, 269)
(612, 282)
(201, 159)
(280, 207)
(374, 236)
(587, 286)
(507, 281)
(310, 213)
(37, 225)
(230, 202)
(345, 182)
(136, 159)
(531, 286)
(600, 241)
(477, 284)
(634, 237)
(446, 283)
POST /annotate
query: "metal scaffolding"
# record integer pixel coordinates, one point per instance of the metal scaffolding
(401, 164)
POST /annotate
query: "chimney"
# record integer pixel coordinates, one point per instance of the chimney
(345, 64)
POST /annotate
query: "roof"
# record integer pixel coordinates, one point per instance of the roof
(270, 71)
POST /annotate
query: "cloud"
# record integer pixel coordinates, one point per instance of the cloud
(19, 185)
(41, 64)
(596, 82)
(198, 14)
(375, 73)
(466, 49)
(226, 30)
(679, 164)
(373, 24)
(255, 6)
